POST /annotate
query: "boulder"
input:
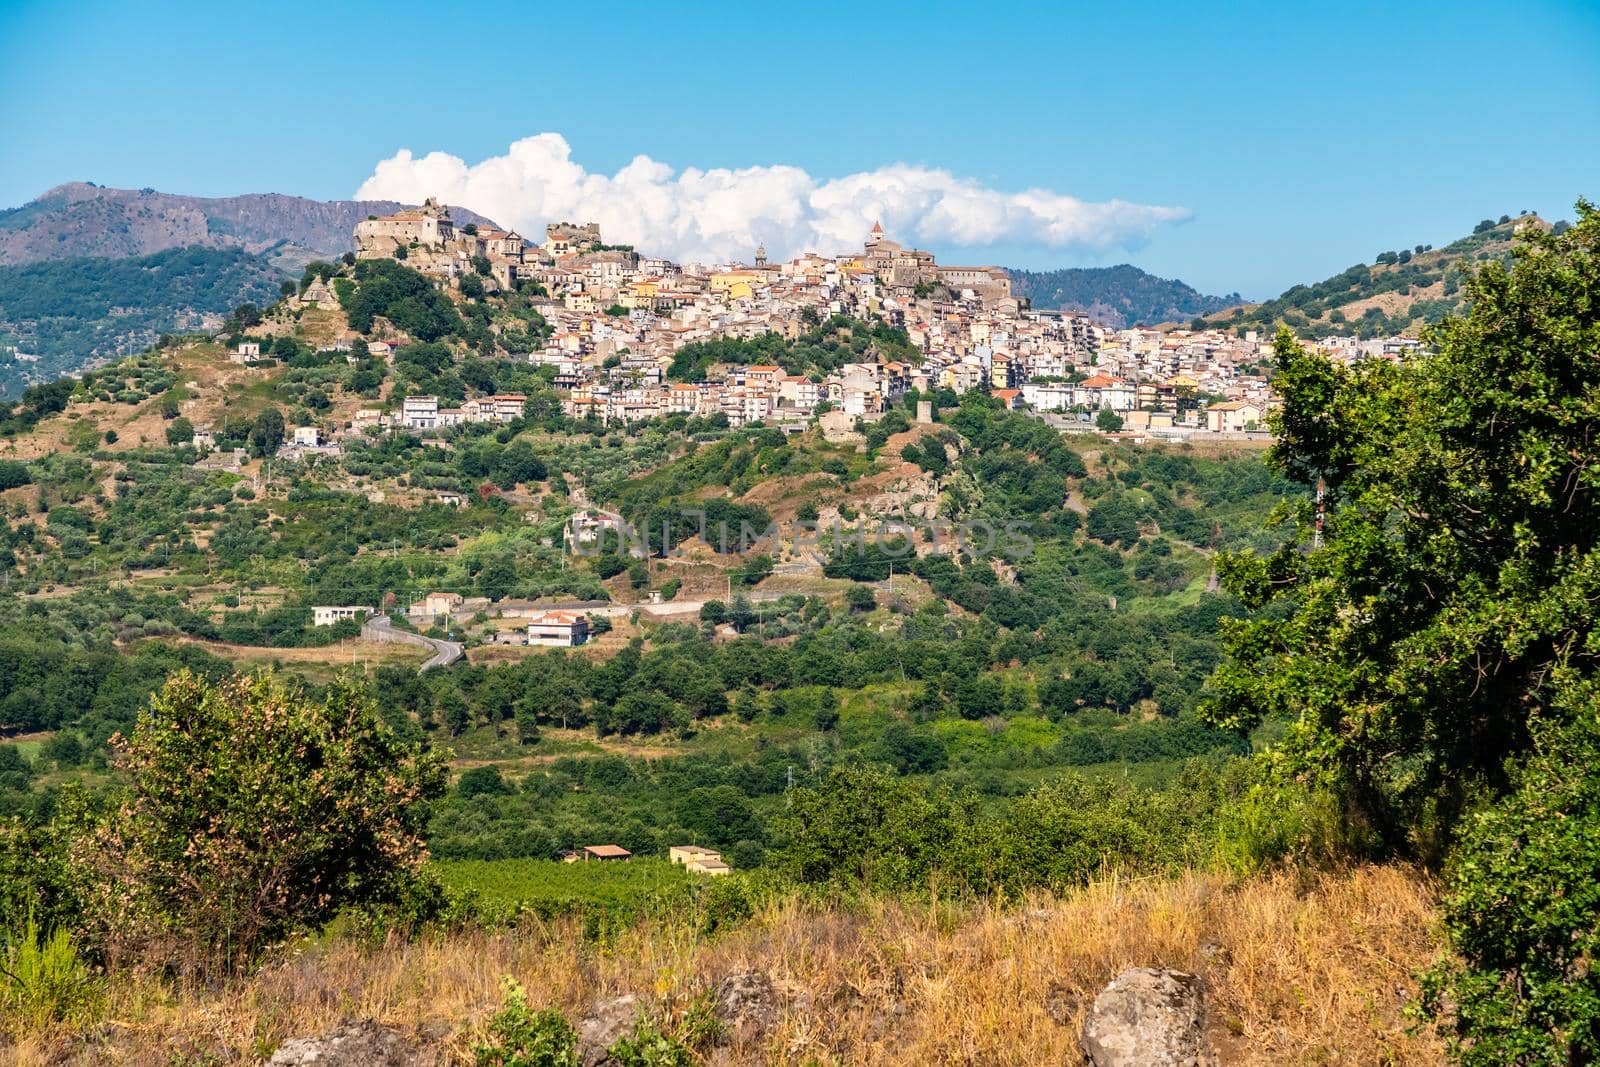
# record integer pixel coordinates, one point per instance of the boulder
(608, 1020)
(747, 1004)
(362, 1043)
(1148, 1017)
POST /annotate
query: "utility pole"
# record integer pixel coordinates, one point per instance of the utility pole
(788, 789)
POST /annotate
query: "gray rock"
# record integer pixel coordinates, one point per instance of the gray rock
(608, 1020)
(1148, 1017)
(747, 1004)
(362, 1043)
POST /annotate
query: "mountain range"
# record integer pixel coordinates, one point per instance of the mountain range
(88, 273)
(82, 219)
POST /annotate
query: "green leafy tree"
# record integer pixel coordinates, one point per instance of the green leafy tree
(13, 474)
(864, 826)
(1108, 421)
(266, 434)
(180, 431)
(254, 812)
(1460, 558)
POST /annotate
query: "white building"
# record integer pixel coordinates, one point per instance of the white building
(557, 629)
(420, 412)
(327, 616)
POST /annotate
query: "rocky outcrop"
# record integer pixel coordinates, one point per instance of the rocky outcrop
(362, 1043)
(1148, 1017)
(747, 1005)
(608, 1020)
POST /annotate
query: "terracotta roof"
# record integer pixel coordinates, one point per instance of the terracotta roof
(607, 851)
(556, 618)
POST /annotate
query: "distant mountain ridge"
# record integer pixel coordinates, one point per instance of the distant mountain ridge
(1399, 293)
(81, 219)
(88, 272)
(1117, 296)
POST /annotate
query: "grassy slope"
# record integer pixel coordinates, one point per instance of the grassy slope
(1298, 969)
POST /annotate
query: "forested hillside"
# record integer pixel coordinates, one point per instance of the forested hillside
(1116, 296)
(71, 311)
(1400, 292)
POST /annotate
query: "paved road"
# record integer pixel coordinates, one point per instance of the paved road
(378, 628)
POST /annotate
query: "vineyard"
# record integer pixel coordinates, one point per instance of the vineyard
(608, 892)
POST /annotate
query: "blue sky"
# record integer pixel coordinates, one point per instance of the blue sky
(1300, 137)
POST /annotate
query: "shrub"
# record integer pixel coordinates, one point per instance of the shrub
(44, 980)
(1522, 908)
(253, 813)
(649, 1046)
(36, 877)
(518, 1036)
(1277, 821)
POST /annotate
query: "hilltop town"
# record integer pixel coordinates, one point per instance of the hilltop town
(617, 324)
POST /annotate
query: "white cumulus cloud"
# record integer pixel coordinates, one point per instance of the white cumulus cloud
(721, 214)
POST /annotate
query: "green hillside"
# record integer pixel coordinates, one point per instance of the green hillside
(1117, 296)
(1400, 292)
(70, 311)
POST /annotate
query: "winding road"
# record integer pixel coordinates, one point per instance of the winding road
(379, 628)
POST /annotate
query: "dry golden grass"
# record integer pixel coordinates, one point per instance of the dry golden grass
(1299, 969)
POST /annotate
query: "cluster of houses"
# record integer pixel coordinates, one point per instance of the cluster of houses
(424, 412)
(429, 241)
(620, 318)
(692, 858)
(546, 627)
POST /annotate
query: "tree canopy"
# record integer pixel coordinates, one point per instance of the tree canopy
(1460, 555)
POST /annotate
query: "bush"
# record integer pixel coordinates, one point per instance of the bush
(36, 876)
(1522, 909)
(253, 813)
(521, 1037)
(649, 1046)
(481, 781)
(44, 980)
(1274, 821)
